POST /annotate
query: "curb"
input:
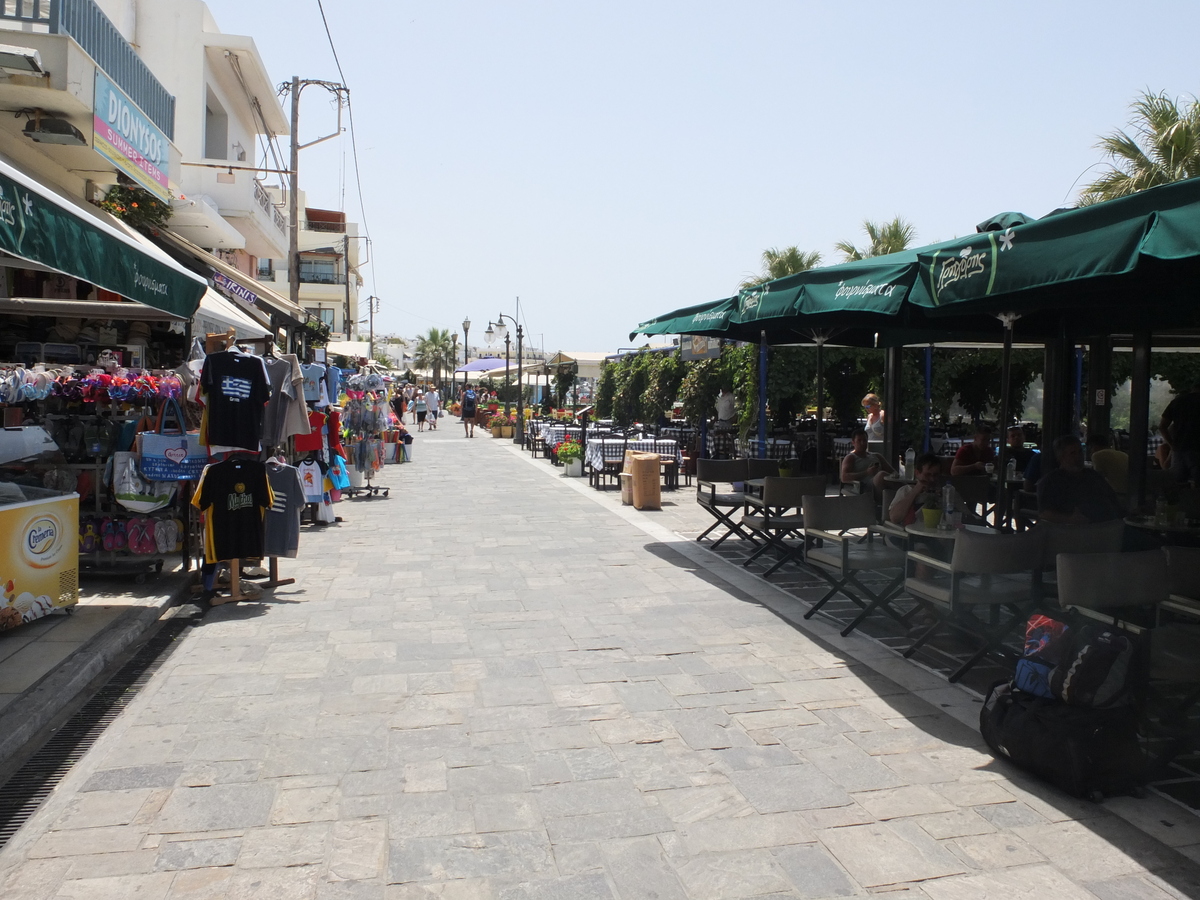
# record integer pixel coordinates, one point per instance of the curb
(59, 689)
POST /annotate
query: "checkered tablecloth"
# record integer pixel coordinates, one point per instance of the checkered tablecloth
(842, 447)
(777, 448)
(599, 452)
(721, 444)
(555, 434)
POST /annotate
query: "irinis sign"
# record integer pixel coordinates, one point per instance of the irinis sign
(128, 139)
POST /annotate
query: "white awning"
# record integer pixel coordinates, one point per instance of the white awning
(216, 314)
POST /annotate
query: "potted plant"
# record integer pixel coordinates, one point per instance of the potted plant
(506, 428)
(570, 454)
(496, 424)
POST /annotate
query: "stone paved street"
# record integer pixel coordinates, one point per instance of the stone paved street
(500, 685)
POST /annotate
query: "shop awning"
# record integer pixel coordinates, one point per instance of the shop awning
(355, 349)
(216, 314)
(42, 226)
(246, 292)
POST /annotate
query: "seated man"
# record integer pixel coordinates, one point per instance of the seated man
(1112, 464)
(912, 497)
(1073, 494)
(972, 458)
(863, 468)
(1016, 448)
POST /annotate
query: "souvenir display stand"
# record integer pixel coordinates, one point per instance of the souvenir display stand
(368, 416)
(250, 509)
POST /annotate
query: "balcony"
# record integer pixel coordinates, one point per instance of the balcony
(88, 26)
(243, 204)
(331, 227)
(263, 199)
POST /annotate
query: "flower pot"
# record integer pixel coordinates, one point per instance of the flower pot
(506, 431)
(496, 431)
(574, 469)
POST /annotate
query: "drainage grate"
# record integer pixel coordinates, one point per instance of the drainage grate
(28, 788)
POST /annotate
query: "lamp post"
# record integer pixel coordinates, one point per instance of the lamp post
(501, 330)
(453, 363)
(466, 323)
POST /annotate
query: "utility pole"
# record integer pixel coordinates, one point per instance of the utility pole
(371, 307)
(346, 266)
(296, 85)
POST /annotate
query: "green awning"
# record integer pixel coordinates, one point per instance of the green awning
(1067, 249)
(38, 225)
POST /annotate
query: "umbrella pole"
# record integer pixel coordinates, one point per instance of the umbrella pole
(928, 393)
(1009, 319)
(820, 402)
(762, 395)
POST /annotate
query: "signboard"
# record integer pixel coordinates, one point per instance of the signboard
(696, 347)
(40, 557)
(231, 287)
(126, 137)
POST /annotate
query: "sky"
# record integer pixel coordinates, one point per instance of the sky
(609, 162)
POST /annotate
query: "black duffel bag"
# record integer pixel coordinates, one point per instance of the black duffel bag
(1085, 751)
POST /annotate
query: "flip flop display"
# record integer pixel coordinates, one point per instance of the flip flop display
(120, 539)
(164, 538)
(87, 535)
(136, 533)
(108, 534)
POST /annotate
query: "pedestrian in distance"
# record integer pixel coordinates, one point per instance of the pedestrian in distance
(433, 403)
(468, 408)
(420, 410)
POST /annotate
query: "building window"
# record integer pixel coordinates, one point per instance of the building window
(321, 270)
(216, 128)
(326, 316)
(266, 269)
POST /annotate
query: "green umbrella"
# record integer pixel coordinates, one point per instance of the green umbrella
(705, 318)
(1069, 258)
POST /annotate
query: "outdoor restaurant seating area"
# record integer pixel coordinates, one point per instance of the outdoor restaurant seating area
(956, 600)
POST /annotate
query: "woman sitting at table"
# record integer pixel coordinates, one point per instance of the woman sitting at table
(862, 468)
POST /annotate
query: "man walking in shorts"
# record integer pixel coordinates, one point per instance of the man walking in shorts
(468, 404)
(432, 402)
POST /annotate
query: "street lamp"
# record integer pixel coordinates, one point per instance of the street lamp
(453, 363)
(466, 346)
(499, 331)
(502, 331)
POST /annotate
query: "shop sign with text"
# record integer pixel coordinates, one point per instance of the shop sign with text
(126, 137)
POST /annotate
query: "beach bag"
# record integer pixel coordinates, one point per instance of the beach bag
(338, 475)
(135, 492)
(174, 455)
(1086, 752)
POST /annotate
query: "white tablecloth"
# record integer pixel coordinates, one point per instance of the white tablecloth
(598, 452)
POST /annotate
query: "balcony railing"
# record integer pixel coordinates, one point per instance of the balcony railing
(333, 227)
(84, 21)
(320, 276)
(263, 199)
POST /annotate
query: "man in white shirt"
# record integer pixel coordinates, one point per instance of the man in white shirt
(433, 401)
(726, 407)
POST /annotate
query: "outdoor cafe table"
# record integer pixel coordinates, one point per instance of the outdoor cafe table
(554, 434)
(1172, 532)
(777, 448)
(613, 449)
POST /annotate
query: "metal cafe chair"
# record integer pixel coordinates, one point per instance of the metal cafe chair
(843, 540)
(989, 572)
(778, 515)
(721, 504)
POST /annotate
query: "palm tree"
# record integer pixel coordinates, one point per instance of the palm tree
(434, 351)
(788, 261)
(889, 237)
(1164, 147)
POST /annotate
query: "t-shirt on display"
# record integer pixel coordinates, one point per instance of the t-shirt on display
(236, 391)
(234, 495)
(282, 525)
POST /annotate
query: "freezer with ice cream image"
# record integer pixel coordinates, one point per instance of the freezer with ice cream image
(39, 554)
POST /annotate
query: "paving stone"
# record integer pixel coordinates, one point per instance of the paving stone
(891, 859)
(1025, 883)
(958, 823)
(896, 803)
(747, 832)
(608, 826)
(198, 854)
(358, 850)
(746, 873)
(571, 887)
(506, 812)
(814, 873)
(460, 889)
(639, 868)
(101, 808)
(216, 807)
(283, 846)
(994, 851)
(118, 887)
(789, 788)
(524, 854)
(133, 777)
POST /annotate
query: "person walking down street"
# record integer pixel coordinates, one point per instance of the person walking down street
(433, 402)
(468, 407)
(410, 393)
(1180, 428)
(399, 406)
(420, 410)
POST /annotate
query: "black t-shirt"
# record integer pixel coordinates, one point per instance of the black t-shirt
(236, 392)
(234, 495)
(1184, 415)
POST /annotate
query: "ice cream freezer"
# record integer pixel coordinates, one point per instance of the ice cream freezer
(39, 553)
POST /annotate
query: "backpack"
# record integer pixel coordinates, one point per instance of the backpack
(468, 405)
(1096, 669)
(1046, 640)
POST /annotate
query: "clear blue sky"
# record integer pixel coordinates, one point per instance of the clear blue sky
(608, 162)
